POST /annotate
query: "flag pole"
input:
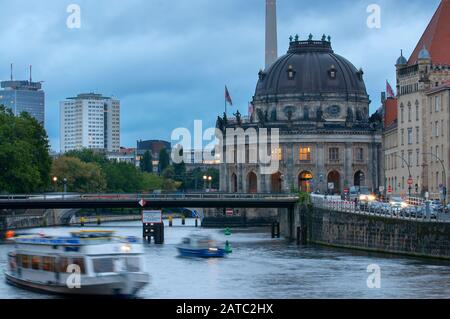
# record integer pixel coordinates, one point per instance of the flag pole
(225, 98)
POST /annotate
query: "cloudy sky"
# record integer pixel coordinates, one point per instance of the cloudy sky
(168, 60)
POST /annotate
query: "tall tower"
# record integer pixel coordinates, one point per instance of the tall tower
(271, 32)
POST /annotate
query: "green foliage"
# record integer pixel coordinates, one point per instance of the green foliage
(164, 160)
(24, 154)
(146, 163)
(81, 177)
(122, 178)
(304, 198)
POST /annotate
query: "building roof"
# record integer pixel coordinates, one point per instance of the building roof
(436, 38)
(314, 68)
(390, 115)
(444, 86)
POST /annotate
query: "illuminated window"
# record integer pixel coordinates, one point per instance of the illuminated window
(277, 154)
(305, 153)
(35, 262)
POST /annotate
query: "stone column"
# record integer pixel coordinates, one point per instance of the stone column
(348, 171)
(320, 167)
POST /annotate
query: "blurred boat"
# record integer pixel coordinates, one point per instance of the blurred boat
(201, 246)
(86, 263)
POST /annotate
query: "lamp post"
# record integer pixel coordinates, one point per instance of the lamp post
(55, 181)
(65, 185)
(444, 171)
(207, 179)
(409, 171)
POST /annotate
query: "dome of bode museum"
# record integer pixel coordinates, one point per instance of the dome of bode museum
(314, 81)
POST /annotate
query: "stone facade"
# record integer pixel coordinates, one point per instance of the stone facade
(326, 135)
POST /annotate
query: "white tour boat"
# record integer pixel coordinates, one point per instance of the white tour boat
(86, 263)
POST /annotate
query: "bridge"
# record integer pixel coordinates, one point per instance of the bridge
(148, 201)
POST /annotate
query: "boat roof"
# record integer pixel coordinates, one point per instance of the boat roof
(77, 238)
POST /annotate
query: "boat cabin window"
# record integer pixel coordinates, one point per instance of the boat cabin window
(48, 264)
(36, 262)
(133, 264)
(24, 261)
(102, 265)
(65, 262)
(186, 241)
(80, 263)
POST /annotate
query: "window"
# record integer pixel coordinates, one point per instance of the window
(437, 103)
(410, 136)
(132, 264)
(36, 262)
(48, 264)
(402, 114)
(417, 135)
(409, 158)
(402, 136)
(80, 263)
(277, 154)
(437, 128)
(417, 157)
(103, 265)
(24, 261)
(334, 154)
(417, 110)
(305, 154)
(360, 154)
(409, 113)
(63, 264)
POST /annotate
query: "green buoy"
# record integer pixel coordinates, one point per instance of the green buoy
(227, 232)
(228, 248)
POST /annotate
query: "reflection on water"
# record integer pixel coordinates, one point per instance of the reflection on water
(260, 267)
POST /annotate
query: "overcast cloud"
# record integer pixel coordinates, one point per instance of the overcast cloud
(168, 60)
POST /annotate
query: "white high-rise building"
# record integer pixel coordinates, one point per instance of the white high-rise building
(90, 121)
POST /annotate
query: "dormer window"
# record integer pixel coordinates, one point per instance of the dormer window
(332, 72)
(291, 73)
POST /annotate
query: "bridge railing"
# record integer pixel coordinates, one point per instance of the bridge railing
(137, 197)
(376, 209)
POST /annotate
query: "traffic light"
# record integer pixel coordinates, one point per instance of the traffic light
(417, 188)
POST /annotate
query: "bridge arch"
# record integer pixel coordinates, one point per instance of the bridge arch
(252, 183)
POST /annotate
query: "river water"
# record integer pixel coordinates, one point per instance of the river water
(261, 267)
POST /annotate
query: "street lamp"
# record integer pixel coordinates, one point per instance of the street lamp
(206, 179)
(55, 181)
(409, 171)
(445, 175)
(65, 185)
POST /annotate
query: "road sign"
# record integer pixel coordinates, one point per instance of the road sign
(346, 190)
(410, 181)
(381, 189)
(152, 217)
(229, 212)
(142, 203)
(390, 189)
(330, 186)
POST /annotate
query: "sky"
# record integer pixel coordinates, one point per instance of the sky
(169, 60)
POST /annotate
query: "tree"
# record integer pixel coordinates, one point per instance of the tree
(122, 177)
(164, 160)
(146, 163)
(24, 154)
(88, 156)
(81, 177)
